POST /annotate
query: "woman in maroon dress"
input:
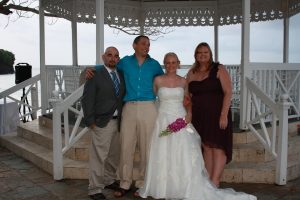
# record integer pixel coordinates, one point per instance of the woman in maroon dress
(210, 91)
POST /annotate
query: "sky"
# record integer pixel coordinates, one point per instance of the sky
(266, 41)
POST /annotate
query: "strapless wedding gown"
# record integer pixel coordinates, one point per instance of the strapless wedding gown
(176, 168)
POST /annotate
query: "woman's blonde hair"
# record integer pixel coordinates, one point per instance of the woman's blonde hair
(171, 54)
(196, 65)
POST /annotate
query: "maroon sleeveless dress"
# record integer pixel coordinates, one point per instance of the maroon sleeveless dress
(207, 101)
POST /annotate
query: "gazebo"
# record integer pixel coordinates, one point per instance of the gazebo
(160, 13)
(268, 94)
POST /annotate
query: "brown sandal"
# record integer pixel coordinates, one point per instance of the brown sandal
(136, 193)
(120, 192)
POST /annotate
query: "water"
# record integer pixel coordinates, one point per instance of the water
(8, 80)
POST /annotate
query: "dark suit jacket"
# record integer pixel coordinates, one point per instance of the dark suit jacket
(99, 100)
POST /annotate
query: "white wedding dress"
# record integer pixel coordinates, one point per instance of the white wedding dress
(176, 168)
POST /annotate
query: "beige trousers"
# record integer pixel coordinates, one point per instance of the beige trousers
(138, 120)
(104, 156)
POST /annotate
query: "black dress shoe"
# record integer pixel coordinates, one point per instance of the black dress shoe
(97, 196)
(115, 185)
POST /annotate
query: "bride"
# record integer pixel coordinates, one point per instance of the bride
(176, 168)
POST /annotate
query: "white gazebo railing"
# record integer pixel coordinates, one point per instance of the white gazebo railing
(71, 133)
(63, 80)
(273, 97)
(276, 79)
(278, 112)
(28, 101)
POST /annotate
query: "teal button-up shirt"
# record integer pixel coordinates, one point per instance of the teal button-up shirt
(139, 79)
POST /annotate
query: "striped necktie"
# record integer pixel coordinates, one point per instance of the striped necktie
(116, 82)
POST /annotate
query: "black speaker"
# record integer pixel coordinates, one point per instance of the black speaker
(23, 72)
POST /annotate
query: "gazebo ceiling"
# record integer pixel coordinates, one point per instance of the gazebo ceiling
(133, 13)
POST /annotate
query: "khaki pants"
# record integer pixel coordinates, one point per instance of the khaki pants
(104, 156)
(138, 120)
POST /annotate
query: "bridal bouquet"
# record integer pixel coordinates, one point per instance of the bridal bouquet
(174, 127)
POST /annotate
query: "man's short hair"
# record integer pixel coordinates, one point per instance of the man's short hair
(138, 38)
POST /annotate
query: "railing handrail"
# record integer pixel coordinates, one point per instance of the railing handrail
(251, 85)
(273, 66)
(19, 86)
(70, 100)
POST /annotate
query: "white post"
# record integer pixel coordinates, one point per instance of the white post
(43, 72)
(216, 31)
(99, 30)
(74, 37)
(34, 100)
(286, 23)
(58, 168)
(282, 153)
(244, 61)
(142, 20)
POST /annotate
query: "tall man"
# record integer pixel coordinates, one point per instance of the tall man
(102, 102)
(139, 111)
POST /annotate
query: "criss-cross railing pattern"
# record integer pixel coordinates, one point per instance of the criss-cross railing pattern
(63, 80)
(72, 130)
(273, 98)
(277, 82)
(26, 94)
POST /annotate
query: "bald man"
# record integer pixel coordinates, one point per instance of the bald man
(102, 102)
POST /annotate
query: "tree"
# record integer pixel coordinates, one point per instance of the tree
(16, 9)
(22, 8)
(7, 60)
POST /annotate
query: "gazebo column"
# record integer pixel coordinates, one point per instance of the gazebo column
(74, 37)
(245, 71)
(43, 72)
(99, 30)
(286, 32)
(216, 35)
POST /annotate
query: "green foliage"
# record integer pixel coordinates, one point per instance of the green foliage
(7, 57)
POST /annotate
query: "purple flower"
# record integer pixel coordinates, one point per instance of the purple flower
(174, 127)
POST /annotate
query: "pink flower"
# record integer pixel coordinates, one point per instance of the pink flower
(174, 127)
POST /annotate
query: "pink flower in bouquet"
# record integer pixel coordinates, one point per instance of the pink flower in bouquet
(174, 127)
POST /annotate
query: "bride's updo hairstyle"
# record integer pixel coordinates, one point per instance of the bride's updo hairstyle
(171, 54)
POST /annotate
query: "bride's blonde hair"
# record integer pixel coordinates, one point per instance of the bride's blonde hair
(171, 54)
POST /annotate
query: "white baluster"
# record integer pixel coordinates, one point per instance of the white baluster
(57, 138)
(281, 165)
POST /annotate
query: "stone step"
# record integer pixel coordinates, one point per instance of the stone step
(243, 137)
(238, 138)
(41, 135)
(246, 137)
(43, 157)
(237, 172)
(242, 152)
(251, 152)
(250, 172)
